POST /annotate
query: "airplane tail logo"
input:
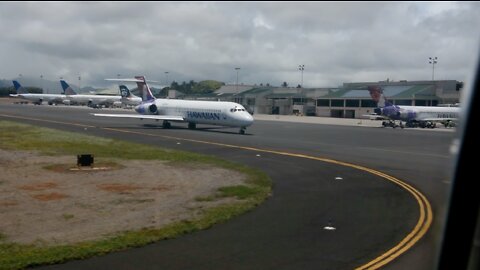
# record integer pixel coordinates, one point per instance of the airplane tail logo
(145, 91)
(20, 89)
(376, 92)
(124, 91)
(67, 89)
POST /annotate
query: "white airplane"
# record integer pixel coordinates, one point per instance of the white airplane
(128, 98)
(36, 98)
(91, 100)
(193, 112)
(413, 116)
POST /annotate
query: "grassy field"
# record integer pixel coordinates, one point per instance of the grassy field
(14, 136)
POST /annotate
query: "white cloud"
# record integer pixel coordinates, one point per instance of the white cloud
(336, 41)
(259, 21)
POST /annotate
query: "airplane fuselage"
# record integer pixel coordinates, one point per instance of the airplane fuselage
(38, 98)
(131, 101)
(95, 99)
(419, 113)
(199, 112)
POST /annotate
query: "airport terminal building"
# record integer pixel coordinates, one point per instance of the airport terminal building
(352, 100)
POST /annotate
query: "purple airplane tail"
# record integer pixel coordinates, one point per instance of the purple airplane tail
(376, 92)
(144, 89)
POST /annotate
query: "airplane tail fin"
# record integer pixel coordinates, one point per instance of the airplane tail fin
(20, 89)
(144, 89)
(67, 89)
(124, 91)
(376, 92)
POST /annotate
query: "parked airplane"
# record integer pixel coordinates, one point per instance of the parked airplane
(128, 98)
(193, 112)
(91, 100)
(413, 116)
(36, 98)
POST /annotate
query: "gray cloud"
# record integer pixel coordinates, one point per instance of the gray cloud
(336, 41)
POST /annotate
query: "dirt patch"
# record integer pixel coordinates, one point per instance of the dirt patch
(120, 188)
(8, 203)
(38, 186)
(49, 197)
(43, 202)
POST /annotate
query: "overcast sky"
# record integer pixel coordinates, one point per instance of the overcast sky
(336, 41)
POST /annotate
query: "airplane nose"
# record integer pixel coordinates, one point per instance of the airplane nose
(248, 119)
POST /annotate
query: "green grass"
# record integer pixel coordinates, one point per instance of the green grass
(14, 136)
(68, 216)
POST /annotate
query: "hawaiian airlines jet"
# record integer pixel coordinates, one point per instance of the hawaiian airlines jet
(193, 112)
(36, 98)
(414, 116)
(90, 100)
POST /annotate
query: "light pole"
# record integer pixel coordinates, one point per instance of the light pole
(433, 61)
(166, 78)
(301, 68)
(236, 84)
(43, 90)
(118, 76)
(79, 84)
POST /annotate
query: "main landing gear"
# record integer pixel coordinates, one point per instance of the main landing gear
(393, 124)
(166, 124)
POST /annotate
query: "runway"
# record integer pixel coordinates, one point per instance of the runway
(370, 215)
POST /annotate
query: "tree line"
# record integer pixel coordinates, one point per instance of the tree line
(193, 88)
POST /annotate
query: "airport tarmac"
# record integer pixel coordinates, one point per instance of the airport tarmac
(370, 215)
(319, 120)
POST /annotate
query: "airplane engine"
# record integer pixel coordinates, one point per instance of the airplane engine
(66, 102)
(117, 104)
(148, 108)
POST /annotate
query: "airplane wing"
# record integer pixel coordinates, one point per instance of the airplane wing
(129, 80)
(374, 116)
(143, 116)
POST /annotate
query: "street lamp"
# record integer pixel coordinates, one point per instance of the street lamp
(433, 61)
(301, 68)
(79, 83)
(43, 90)
(166, 78)
(236, 84)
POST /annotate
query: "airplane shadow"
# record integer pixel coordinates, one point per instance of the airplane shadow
(212, 129)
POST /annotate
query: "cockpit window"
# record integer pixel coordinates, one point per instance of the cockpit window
(237, 110)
